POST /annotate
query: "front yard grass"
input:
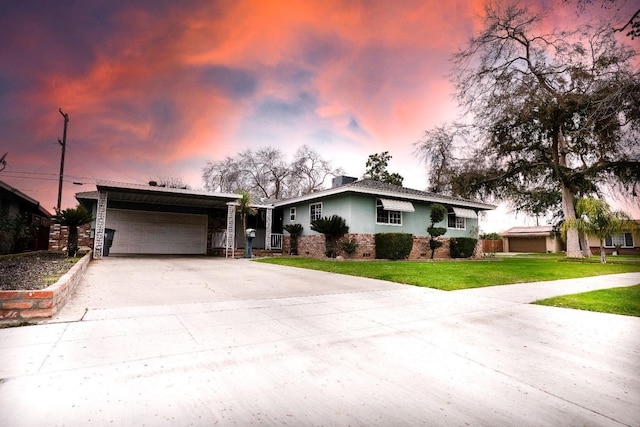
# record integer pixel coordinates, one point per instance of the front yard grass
(454, 275)
(616, 301)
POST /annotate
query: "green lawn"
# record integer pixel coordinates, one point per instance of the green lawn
(617, 301)
(453, 275)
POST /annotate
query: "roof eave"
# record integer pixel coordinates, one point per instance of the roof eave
(386, 193)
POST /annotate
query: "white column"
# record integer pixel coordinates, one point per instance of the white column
(231, 227)
(101, 220)
(267, 234)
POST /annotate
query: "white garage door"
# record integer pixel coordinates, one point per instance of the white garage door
(140, 232)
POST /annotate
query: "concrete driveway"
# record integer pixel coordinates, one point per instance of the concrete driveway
(201, 341)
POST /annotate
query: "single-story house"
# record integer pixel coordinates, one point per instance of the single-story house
(624, 243)
(539, 239)
(149, 219)
(371, 207)
(14, 202)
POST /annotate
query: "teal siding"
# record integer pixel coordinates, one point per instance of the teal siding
(359, 212)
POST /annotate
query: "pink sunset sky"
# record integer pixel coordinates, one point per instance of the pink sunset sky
(157, 88)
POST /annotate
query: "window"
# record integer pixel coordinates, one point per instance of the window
(625, 240)
(315, 211)
(292, 215)
(387, 217)
(456, 222)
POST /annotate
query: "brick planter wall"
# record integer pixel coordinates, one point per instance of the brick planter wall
(20, 306)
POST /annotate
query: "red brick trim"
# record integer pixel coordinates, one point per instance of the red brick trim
(17, 306)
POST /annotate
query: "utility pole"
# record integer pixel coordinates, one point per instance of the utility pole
(64, 145)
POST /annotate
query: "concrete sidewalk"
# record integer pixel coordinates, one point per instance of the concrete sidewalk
(534, 291)
(266, 345)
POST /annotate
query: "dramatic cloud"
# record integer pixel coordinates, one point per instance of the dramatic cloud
(157, 88)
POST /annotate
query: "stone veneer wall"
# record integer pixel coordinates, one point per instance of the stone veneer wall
(58, 235)
(314, 247)
(20, 306)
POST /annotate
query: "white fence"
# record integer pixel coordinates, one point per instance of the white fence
(276, 241)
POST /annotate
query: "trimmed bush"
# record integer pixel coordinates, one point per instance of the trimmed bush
(393, 245)
(462, 247)
(349, 247)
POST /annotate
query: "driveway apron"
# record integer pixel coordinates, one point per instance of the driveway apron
(202, 341)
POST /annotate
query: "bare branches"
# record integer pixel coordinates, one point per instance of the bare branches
(266, 174)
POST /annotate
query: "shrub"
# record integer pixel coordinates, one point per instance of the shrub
(438, 213)
(393, 245)
(491, 236)
(332, 227)
(294, 230)
(349, 247)
(462, 247)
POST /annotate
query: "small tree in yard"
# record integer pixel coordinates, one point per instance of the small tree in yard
(438, 212)
(294, 230)
(595, 217)
(73, 218)
(245, 209)
(332, 227)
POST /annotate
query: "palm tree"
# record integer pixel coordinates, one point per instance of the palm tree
(332, 227)
(294, 230)
(245, 209)
(595, 217)
(73, 218)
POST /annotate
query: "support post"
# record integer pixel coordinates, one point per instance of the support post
(101, 220)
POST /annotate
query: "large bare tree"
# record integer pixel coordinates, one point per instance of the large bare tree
(266, 174)
(556, 113)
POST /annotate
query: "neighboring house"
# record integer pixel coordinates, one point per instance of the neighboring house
(625, 243)
(371, 207)
(541, 239)
(14, 202)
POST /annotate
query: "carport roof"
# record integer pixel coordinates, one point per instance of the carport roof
(147, 194)
(539, 231)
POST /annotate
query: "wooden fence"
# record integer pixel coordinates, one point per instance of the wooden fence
(489, 246)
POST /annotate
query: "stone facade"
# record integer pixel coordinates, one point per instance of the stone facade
(314, 247)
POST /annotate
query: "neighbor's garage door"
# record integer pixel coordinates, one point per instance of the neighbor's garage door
(528, 244)
(140, 232)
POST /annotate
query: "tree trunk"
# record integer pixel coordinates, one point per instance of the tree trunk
(72, 242)
(603, 255)
(584, 243)
(569, 210)
(568, 196)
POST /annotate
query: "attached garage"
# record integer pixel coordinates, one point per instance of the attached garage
(141, 232)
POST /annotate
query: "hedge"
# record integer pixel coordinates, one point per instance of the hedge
(393, 245)
(462, 247)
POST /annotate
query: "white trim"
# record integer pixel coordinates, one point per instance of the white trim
(313, 204)
(451, 212)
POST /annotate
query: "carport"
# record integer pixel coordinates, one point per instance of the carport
(151, 220)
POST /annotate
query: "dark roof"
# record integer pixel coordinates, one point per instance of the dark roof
(369, 186)
(19, 194)
(147, 194)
